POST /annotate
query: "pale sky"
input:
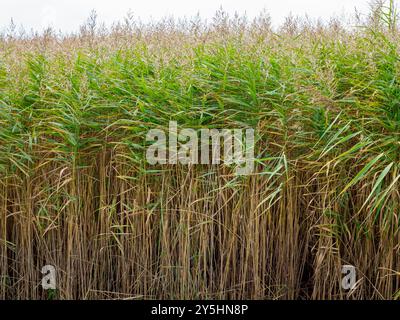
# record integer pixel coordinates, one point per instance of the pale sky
(68, 15)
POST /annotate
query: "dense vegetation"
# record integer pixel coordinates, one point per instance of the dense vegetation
(77, 193)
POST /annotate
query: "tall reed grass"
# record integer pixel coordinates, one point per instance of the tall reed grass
(76, 191)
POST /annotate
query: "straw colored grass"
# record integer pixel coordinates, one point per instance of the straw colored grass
(77, 193)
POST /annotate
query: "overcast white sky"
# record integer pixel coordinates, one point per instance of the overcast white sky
(67, 15)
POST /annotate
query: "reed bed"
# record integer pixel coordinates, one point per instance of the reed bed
(76, 191)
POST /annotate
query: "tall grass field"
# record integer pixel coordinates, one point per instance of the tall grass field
(77, 193)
